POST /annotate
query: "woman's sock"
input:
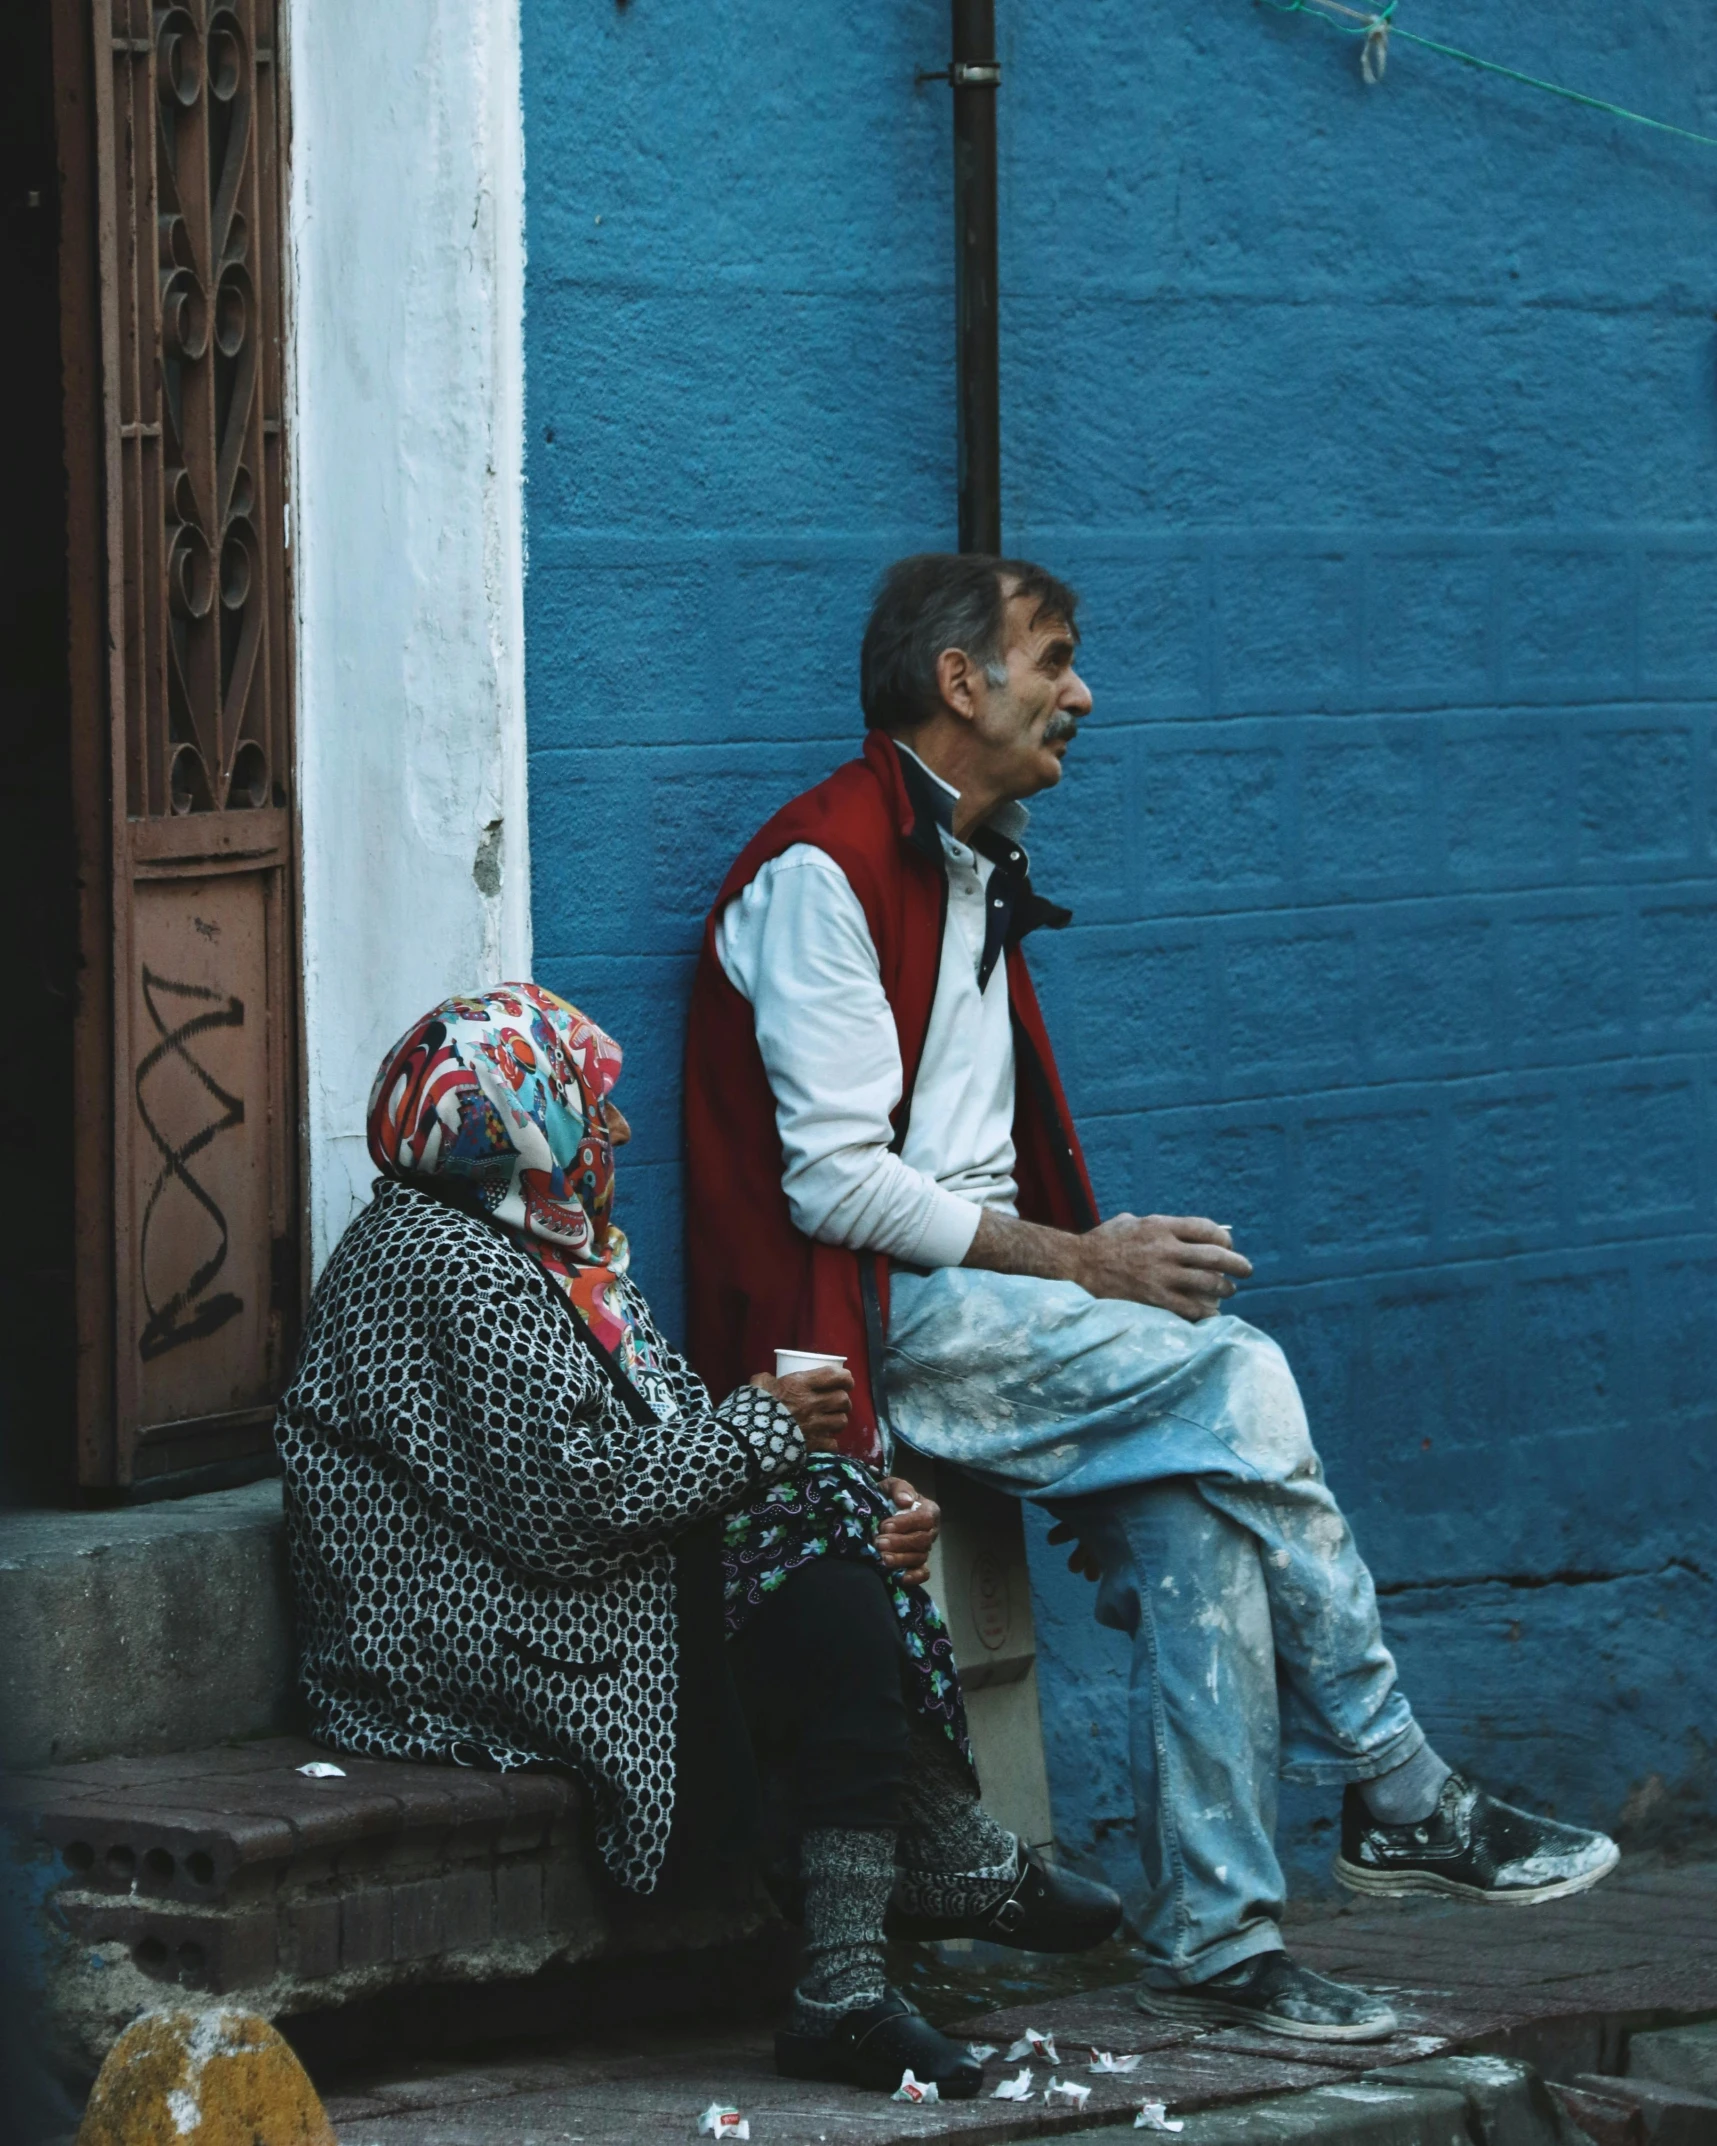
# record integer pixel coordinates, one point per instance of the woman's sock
(847, 1873)
(955, 1860)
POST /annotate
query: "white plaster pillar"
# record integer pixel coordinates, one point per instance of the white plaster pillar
(406, 235)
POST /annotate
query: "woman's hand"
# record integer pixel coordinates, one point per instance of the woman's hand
(821, 1401)
(905, 1538)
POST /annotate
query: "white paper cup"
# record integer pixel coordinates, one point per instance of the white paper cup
(787, 1361)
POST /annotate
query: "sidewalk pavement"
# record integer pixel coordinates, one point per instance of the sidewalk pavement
(1562, 1988)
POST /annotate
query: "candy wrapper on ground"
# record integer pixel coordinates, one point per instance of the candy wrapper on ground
(981, 2052)
(1154, 2116)
(1033, 2044)
(322, 1770)
(1104, 2065)
(911, 2089)
(1017, 2088)
(1066, 2094)
(719, 2123)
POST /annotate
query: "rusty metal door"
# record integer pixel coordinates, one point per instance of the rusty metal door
(185, 1341)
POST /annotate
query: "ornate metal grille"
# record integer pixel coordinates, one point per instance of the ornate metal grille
(189, 129)
(200, 402)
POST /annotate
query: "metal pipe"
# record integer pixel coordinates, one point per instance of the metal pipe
(976, 78)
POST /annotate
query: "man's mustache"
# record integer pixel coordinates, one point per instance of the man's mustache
(1060, 725)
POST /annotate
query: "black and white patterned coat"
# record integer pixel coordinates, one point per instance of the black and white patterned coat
(481, 1534)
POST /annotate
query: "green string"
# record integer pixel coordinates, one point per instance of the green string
(1363, 25)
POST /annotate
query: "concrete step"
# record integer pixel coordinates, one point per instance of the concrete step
(148, 1628)
(1662, 2115)
(1677, 2056)
(229, 1873)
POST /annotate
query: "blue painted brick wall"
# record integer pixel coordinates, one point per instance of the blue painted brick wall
(1379, 428)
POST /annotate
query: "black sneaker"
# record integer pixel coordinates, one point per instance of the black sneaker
(1275, 1995)
(1471, 1846)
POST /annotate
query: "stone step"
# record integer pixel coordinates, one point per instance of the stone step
(1665, 2115)
(148, 1628)
(228, 1872)
(1677, 2056)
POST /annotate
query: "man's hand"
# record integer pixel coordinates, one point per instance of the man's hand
(821, 1401)
(1180, 1263)
(1079, 1558)
(906, 1536)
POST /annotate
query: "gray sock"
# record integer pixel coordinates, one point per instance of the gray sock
(1407, 1792)
(955, 1859)
(847, 1873)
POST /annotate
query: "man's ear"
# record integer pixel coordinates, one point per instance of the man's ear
(960, 682)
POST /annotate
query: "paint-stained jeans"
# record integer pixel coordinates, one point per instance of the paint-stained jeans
(1183, 1456)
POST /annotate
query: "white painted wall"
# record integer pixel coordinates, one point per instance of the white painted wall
(406, 223)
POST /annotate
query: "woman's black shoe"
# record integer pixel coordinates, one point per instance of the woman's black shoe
(1047, 1910)
(875, 2046)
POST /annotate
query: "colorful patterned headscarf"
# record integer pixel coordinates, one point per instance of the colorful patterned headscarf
(504, 1093)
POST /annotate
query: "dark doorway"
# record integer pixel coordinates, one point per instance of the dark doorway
(37, 859)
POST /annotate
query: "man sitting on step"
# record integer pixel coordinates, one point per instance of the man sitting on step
(874, 1110)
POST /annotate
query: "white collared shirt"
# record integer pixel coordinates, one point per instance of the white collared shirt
(796, 945)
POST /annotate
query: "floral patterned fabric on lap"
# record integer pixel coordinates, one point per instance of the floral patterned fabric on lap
(834, 1510)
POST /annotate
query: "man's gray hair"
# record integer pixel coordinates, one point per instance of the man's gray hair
(938, 600)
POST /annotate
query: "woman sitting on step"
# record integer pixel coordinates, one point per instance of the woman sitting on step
(506, 1497)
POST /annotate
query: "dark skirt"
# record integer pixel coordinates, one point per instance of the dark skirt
(834, 1510)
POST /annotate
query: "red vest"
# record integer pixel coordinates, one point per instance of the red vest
(757, 1283)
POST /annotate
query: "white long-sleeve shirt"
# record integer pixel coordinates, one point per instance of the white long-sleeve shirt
(796, 945)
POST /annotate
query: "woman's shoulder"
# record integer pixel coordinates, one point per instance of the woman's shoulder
(409, 1241)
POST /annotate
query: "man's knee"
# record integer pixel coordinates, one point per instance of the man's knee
(1261, 1413)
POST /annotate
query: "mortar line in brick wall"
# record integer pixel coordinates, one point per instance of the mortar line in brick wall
(1633, 1012)
(1567, 730)
(1365, 995)
(1574, 1576)
(625, 543)
(1415, 703)
(1436, 804)
(1208, 683)
(1566, 1089)
(1440, 1176)
(569, 548)
(1556, 1262)
(1595, 898)
(1671, 1068)
(1173, 294)
(719, 601)
(1592, 897)
(1705, 784)
(1636, 592)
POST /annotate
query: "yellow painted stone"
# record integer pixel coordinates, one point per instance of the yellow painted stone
(213, 2078)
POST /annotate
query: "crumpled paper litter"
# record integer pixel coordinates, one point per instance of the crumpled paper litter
(911, 2089)
(1067, 2092)
(717, 2122)
(1154, 2116)
(1017, 2088)
(1033, 2044)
